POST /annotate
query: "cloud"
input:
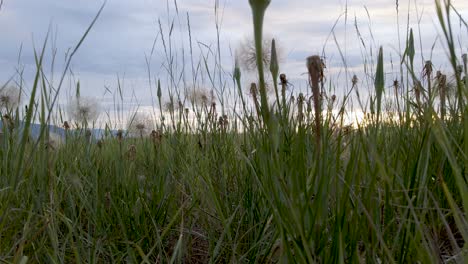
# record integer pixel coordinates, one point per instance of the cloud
(124, 35)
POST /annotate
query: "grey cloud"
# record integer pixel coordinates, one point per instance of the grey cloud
(126, 30)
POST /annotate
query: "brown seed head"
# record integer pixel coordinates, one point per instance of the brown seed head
(66, 126)
(315, 67)
(428, 69)
(283, 79)
(131, 152)
(253, 90)
(119, 135)
(156, 137)
(355, 80)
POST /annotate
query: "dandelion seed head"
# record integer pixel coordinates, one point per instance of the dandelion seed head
(246, 53)
(140, 125)
(84, 109)
(10, 98)
(55, 141)
(201, 97)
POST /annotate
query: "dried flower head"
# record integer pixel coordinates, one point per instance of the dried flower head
(10, 98)
(66, 126)
(442, 87)
(84, 109)
(131, 152)
(428, 67)
(417, 92)
(355, 80)
(156, 137)
(300, 106)
(254, 90)
(119, 135)
(315, 66)
(223, 122)
(139, 125)
(283, 79)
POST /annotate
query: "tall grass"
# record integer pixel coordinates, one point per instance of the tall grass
(288, 183)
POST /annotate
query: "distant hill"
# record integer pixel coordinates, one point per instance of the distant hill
(35, 129)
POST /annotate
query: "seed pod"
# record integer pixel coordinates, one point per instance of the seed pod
(315, 68)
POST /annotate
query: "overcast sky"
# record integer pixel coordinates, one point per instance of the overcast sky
(122, 39)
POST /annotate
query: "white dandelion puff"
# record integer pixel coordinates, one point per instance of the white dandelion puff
(140, 125)
(84, 109)
(10, 98)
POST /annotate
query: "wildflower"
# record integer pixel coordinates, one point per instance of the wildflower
(254, 94)
(315, 67)
(428, 69)
(417, 92)
(84, 109)
(254, 91)
(131, 152)
(140, 125)
(284, 86)
(10, 98)
(442, 85)
(156, 137)
(283, 79)
(300, 106)
(237, 72)
(66, 126)
(355, 80)
(119, 135)
(396, 85)
(223, 122)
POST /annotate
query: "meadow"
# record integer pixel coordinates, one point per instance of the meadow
(281, 182)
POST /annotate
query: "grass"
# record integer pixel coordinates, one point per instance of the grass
(287, 183)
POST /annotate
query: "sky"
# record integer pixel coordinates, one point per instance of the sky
(125, 47)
